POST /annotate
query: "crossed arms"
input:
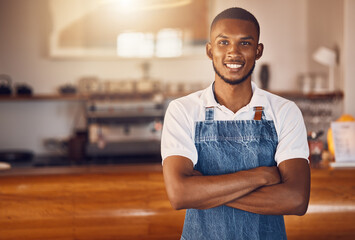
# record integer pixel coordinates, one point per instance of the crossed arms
(282, 190)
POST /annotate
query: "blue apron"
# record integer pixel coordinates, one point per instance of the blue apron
(226, 147)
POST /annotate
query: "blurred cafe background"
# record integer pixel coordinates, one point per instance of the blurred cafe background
(84, 85)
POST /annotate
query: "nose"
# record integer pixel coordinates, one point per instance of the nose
(233, 50)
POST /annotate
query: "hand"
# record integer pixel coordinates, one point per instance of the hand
(196, 173)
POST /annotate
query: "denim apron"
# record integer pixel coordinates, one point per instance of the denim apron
(226, 147)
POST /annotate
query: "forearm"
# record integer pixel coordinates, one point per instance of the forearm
(204, 192)
(187, 190)
(272, 200)
(287, 198)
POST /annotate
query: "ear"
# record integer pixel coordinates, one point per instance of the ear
(259, 51)
(209, 51)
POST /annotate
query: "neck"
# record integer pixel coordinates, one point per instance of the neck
(234, 97)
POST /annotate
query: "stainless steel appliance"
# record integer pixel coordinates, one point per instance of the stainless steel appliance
(124, 127)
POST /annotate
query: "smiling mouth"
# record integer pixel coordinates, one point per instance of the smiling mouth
(233, 66)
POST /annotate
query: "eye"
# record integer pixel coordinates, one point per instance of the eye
(245, 43)
(223, 42)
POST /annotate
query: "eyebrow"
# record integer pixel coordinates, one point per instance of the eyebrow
(221, 36)
(242, 38)
(247, 38)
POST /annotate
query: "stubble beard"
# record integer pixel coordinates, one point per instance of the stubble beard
(233, 81)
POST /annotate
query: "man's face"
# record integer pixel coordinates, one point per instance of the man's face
(233, 49)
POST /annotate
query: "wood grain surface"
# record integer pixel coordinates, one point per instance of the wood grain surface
(129, 202)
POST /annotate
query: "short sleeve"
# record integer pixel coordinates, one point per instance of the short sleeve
(177, 136)
(292, 135)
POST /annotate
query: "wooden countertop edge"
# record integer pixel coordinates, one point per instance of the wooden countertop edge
(134, 168)
(88, 169)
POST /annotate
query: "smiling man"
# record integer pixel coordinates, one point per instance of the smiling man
(235, 156)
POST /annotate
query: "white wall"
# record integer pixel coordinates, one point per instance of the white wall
(24, 30)
(326, 29)
(349, 53)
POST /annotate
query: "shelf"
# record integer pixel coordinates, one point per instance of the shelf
(125, 119)
(110, 96)
(311, 95)
(285, 94)
(126, 114)
(43, 97)
(77, 97)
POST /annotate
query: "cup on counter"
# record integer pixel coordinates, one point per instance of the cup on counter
(316, 147)
(315, 152)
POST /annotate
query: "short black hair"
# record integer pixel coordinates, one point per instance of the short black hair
(237, 13)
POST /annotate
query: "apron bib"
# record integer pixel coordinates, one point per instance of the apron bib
(225, 147)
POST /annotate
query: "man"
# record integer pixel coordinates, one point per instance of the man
(235, 156)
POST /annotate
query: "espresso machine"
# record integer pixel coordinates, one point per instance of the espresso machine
(119, 127)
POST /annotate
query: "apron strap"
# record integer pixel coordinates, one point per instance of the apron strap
(258, 112)
(209, 113)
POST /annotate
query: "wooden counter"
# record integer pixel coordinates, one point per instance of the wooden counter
(331, 213)
(129, 202)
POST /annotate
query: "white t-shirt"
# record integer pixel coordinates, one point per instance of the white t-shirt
(182, 114)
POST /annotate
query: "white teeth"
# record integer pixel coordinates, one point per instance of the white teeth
(234, 65)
